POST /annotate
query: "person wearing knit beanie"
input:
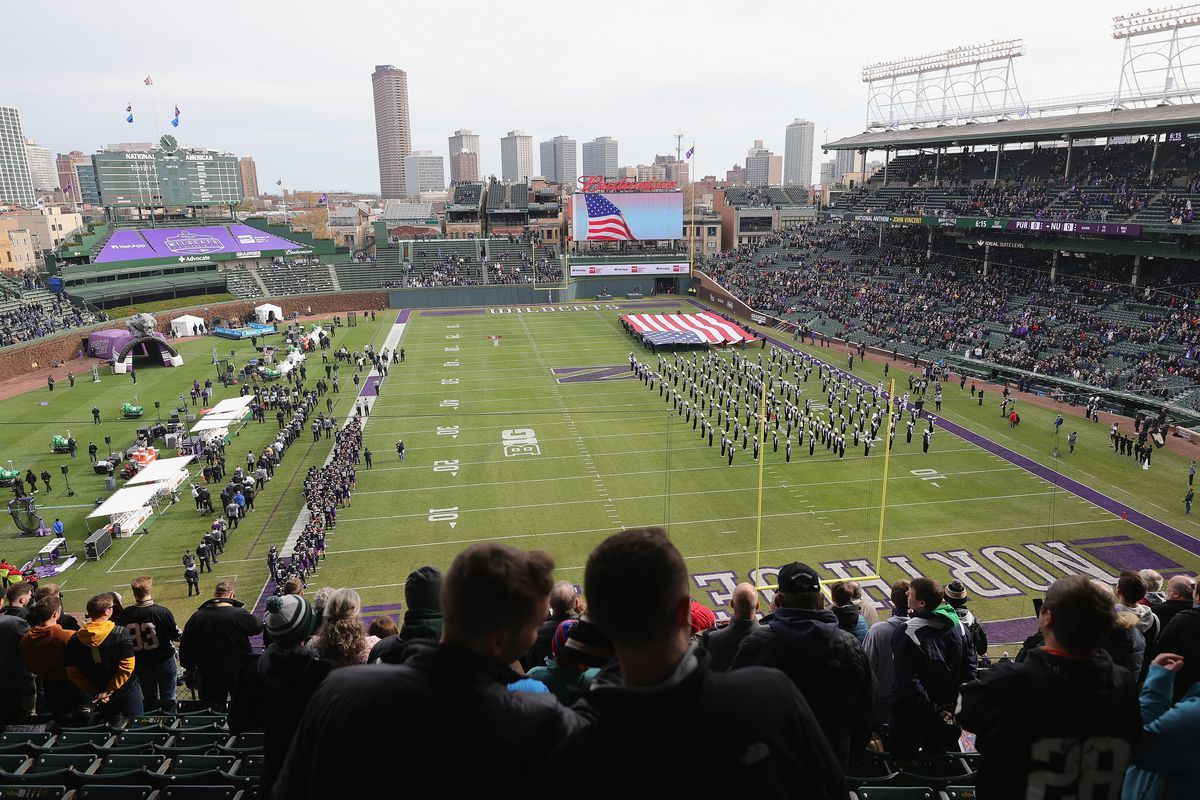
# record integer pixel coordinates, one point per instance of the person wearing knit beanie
(290, 620)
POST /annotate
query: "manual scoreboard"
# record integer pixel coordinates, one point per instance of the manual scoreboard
(167, 176)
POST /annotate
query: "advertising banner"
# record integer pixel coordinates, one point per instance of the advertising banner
(231, 241)
(597, 270)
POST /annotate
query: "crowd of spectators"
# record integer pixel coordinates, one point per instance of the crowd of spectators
(26, 320)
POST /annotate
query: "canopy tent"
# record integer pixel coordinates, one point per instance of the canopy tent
(166, 469)
(119, 347)
(212, 422)
(231, 404)
(131, 498)
(264, 313)
(183, 326)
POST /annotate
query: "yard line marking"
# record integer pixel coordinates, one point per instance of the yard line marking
(659, 496)
(131, 546)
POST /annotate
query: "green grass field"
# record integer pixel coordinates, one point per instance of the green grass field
(609, 455)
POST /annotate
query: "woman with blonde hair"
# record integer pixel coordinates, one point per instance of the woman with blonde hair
(341, 638)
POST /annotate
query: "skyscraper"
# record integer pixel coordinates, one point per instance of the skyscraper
(848, 161)
(249, 177)
(600, 157)
(464, 167)
(762, 167)
(15, 183)
(463, 140)
(558, 161)
(41, 167)
(516, 156)
(393, 134)
(798, 153)
(67, 165)
(424, 172)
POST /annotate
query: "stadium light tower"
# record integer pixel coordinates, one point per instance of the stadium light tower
(961, 83)
(1160, 55)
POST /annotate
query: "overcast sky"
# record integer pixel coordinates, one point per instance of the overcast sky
(289, 83)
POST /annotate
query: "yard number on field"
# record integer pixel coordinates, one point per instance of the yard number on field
(449, 404)
(929, 475)
(448, 430)
(450, 466)
(449, 381)
(444, 515)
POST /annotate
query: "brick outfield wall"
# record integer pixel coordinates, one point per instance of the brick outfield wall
(64, 347)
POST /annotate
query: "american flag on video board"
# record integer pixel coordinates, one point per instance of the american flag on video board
(605, 221)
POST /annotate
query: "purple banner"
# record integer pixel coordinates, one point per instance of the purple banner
(195, 244)
(1070, 226)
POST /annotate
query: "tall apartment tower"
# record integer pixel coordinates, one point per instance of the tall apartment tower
(16, 185)
(393, 133)
(464, 141)
(516, 156)
(798, 153)
(249, 173)
(558, 161)
(600, 157)
(763, 168)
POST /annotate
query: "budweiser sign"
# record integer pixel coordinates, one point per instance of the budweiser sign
(598, 183)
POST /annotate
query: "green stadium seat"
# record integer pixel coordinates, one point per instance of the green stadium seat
(52, 762)
(196, 792)
(12, 762)
(58, 777)
(246, 743)
(959, 793)
(192, 707)
(33, 792)
(871, 767)
(937, 771)
(250, 766)
(895, 793)
(116, 791)
(189, 764)
(198, 721)
(141, 769)
(23, 742)
(196, 741)
(78, 742)
(137, 742)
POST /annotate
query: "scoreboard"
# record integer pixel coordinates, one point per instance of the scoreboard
(156, 177)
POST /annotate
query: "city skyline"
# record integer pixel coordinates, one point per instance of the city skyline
(314, 128)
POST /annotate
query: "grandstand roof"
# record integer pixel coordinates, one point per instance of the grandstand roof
(1102, 123)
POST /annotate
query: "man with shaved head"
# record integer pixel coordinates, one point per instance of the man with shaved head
(564, 605)
(722, 642)
(1182, 634)
(1181, 591)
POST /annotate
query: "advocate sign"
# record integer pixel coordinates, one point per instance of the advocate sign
(598, 183)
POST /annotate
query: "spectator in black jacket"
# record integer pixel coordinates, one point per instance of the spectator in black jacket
(722, 642)
(652, 706)
(422, 619)
(1063, 718)
(152, 628)
(444, 722)
(17, 599)
(274, 688)
(933, 656)
(564, 604)
(1180, 596)
(806, 641)
(215, 640)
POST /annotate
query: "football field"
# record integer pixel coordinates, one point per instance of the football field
(526, 426)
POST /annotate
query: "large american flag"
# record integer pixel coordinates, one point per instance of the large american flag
(703, 328)
(605, 221)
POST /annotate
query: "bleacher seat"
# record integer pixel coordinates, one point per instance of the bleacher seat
(136, 742)
(211, 742)
(23, 741)
(33, 792)
(199, 792)
(200, 721)
(115, 791)
(78, 741)
(894, 793)
(246, 743)
(191, 765)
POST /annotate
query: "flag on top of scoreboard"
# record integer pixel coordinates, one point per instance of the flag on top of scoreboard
(605, 221)
(702, 328)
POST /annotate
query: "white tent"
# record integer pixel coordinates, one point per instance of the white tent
(182, 326)
(229, 404)
(263, 313)
(128, 499)
(164, 469)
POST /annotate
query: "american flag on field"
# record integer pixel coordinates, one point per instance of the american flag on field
(605, 221)
(703, 328)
